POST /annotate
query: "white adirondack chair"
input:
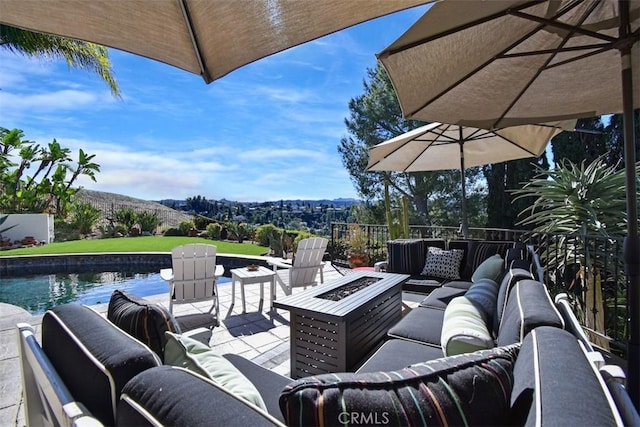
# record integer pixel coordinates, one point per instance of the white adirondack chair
(193, 276)
(307, 262)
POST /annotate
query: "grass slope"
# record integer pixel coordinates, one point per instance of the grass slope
(136, 244)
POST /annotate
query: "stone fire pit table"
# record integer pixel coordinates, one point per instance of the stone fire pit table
(335, 325)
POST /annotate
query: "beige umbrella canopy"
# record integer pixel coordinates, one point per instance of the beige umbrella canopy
(502, 63)
(494, 64)
(206, 37)
(439, 146)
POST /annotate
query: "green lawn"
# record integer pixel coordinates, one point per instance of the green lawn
(135, 244)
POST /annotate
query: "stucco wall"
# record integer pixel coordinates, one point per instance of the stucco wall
(39, 226)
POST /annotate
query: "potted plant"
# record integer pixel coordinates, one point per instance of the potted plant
(358, 247)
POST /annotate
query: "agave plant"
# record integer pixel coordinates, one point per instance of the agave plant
(580, 201)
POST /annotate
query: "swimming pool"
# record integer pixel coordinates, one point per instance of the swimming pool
(38, 293)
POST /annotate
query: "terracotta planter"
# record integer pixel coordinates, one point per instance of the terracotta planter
(358, 260)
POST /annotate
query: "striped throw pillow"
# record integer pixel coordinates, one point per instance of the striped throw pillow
(464, 329)
(468, 389)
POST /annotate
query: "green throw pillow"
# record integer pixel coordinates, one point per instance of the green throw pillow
(491, 268)
(464, 329)
(197, 357)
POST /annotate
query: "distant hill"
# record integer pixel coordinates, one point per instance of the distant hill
(109, 203)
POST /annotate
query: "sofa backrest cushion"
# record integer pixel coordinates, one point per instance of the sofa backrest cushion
(464, 329)
(556, 384)
(443, 264)
(469, 389)
(94, 358)
(176, 397)
(510, 278)
(528, 306)
(142, 319)
(476, 252)
(407, 256)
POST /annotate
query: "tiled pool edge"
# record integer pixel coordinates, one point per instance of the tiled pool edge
(20, 265)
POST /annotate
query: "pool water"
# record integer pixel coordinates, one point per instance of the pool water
(37, 294)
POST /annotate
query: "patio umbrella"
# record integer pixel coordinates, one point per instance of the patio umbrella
(502, 63)
(440, 146)
(206, 37)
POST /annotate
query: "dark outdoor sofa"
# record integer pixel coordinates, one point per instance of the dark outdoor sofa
(530, 366)
(411, 256)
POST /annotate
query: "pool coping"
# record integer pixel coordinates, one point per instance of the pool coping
(19, 265)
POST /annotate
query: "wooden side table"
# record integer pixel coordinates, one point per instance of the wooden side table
(247, 277)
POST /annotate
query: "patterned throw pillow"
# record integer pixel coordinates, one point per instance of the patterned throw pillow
(443, 264)
(469, 389)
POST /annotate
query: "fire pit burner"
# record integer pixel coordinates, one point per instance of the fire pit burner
(349, 289)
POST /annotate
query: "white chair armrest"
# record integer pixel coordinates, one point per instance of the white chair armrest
(218, 272)
(280, 263)
(166, 274)
(380, 266)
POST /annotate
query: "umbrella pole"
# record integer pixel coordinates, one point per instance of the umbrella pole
(631, 241)
(465, 224)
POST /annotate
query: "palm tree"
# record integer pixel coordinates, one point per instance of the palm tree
(79, 54)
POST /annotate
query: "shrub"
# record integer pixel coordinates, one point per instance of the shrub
(214, 230)
(173, 232)
(85, 217)
(148, 221)
(112, 230)
(127, 218)
(240, 231)
(300, 235)
(265, 233)
(201, 222)
(65, 231)
(185, 227)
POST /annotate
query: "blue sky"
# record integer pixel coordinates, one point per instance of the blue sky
(267, 131)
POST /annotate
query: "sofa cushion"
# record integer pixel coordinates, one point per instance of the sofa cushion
(464, 329)
(510, 278)
(529, 306)
(441, 297)
(470, 389)
(190, 354)
(397, 354)
(556, 384)
(484, 294)
(422, 324)
(265, 380)
(171, 396)
(141, 319)
(443, 264)
(490, 268)
(93, 357)
(515, 253)
(476, 252)
(406, 256)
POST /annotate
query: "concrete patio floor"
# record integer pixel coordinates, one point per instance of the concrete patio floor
(260, 336)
